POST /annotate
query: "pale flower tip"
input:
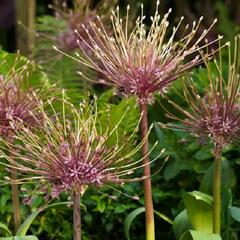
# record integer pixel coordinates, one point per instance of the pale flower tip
(79, 73)
(54, 47)
(215, 20)
(182, 17)
(128, 7)
(228, 44)
(141, 5)
(163, 150)
(135, 197)
(77, 54)
(76, 31)
(113, 197)
(201, 18)
(158, 2)
(170, 10)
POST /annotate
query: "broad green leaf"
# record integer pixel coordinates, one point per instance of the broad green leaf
(27, 223)
(131, 216)
(177, 162)
(20, 238)
(228, 178)
(226, 203)
(22, 231)
(199, 209)
(197, 235)
(203, 154)
(5, 228)
(181, 224)
(235, 213)
(128, 221)
(101, 206)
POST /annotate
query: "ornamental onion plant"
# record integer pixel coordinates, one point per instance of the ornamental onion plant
(141, 62)
(16, 101)
(71, 151)
(215, 115)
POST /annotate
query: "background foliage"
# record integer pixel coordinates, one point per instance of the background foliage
(188, 168)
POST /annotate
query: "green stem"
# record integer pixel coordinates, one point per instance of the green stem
(217, 192)
(76, 216)
(149, 214)
(15, 202)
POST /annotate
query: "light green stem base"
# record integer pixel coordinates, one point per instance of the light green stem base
(217, 193)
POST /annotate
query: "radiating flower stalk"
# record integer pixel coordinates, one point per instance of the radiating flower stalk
(72, 151)
(141, 63)
(215, 116)
(15, 104)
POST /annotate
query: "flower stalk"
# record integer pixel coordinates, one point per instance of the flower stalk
(217, 191)
(76, 216)
(150, 232)
(15, 201)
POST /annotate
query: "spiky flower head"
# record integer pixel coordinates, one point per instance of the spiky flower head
(141, 62)
(70, 155)
(216, 114)
(82, 12)
(16, 99)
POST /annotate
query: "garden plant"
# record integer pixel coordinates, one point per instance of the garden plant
(117, 112)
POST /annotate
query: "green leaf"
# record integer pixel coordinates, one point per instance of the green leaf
(197, 235)
(101, 206)
(20, 238)
(235, 213)
(5, 228)
(200, 210)
(164, 217)
(228, 178)
(128, 221)
(27, 223)
(131, 216)
(226, 203)
(181, 224)
(203, 154)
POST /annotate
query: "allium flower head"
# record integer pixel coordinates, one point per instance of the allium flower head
(72, 155)
(216, 115)
(82, 13)
(143, 61)
(16, 101)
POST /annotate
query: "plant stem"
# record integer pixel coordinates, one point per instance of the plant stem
(149, 214)
(76, 216)
(217, 192)
(15, 202)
